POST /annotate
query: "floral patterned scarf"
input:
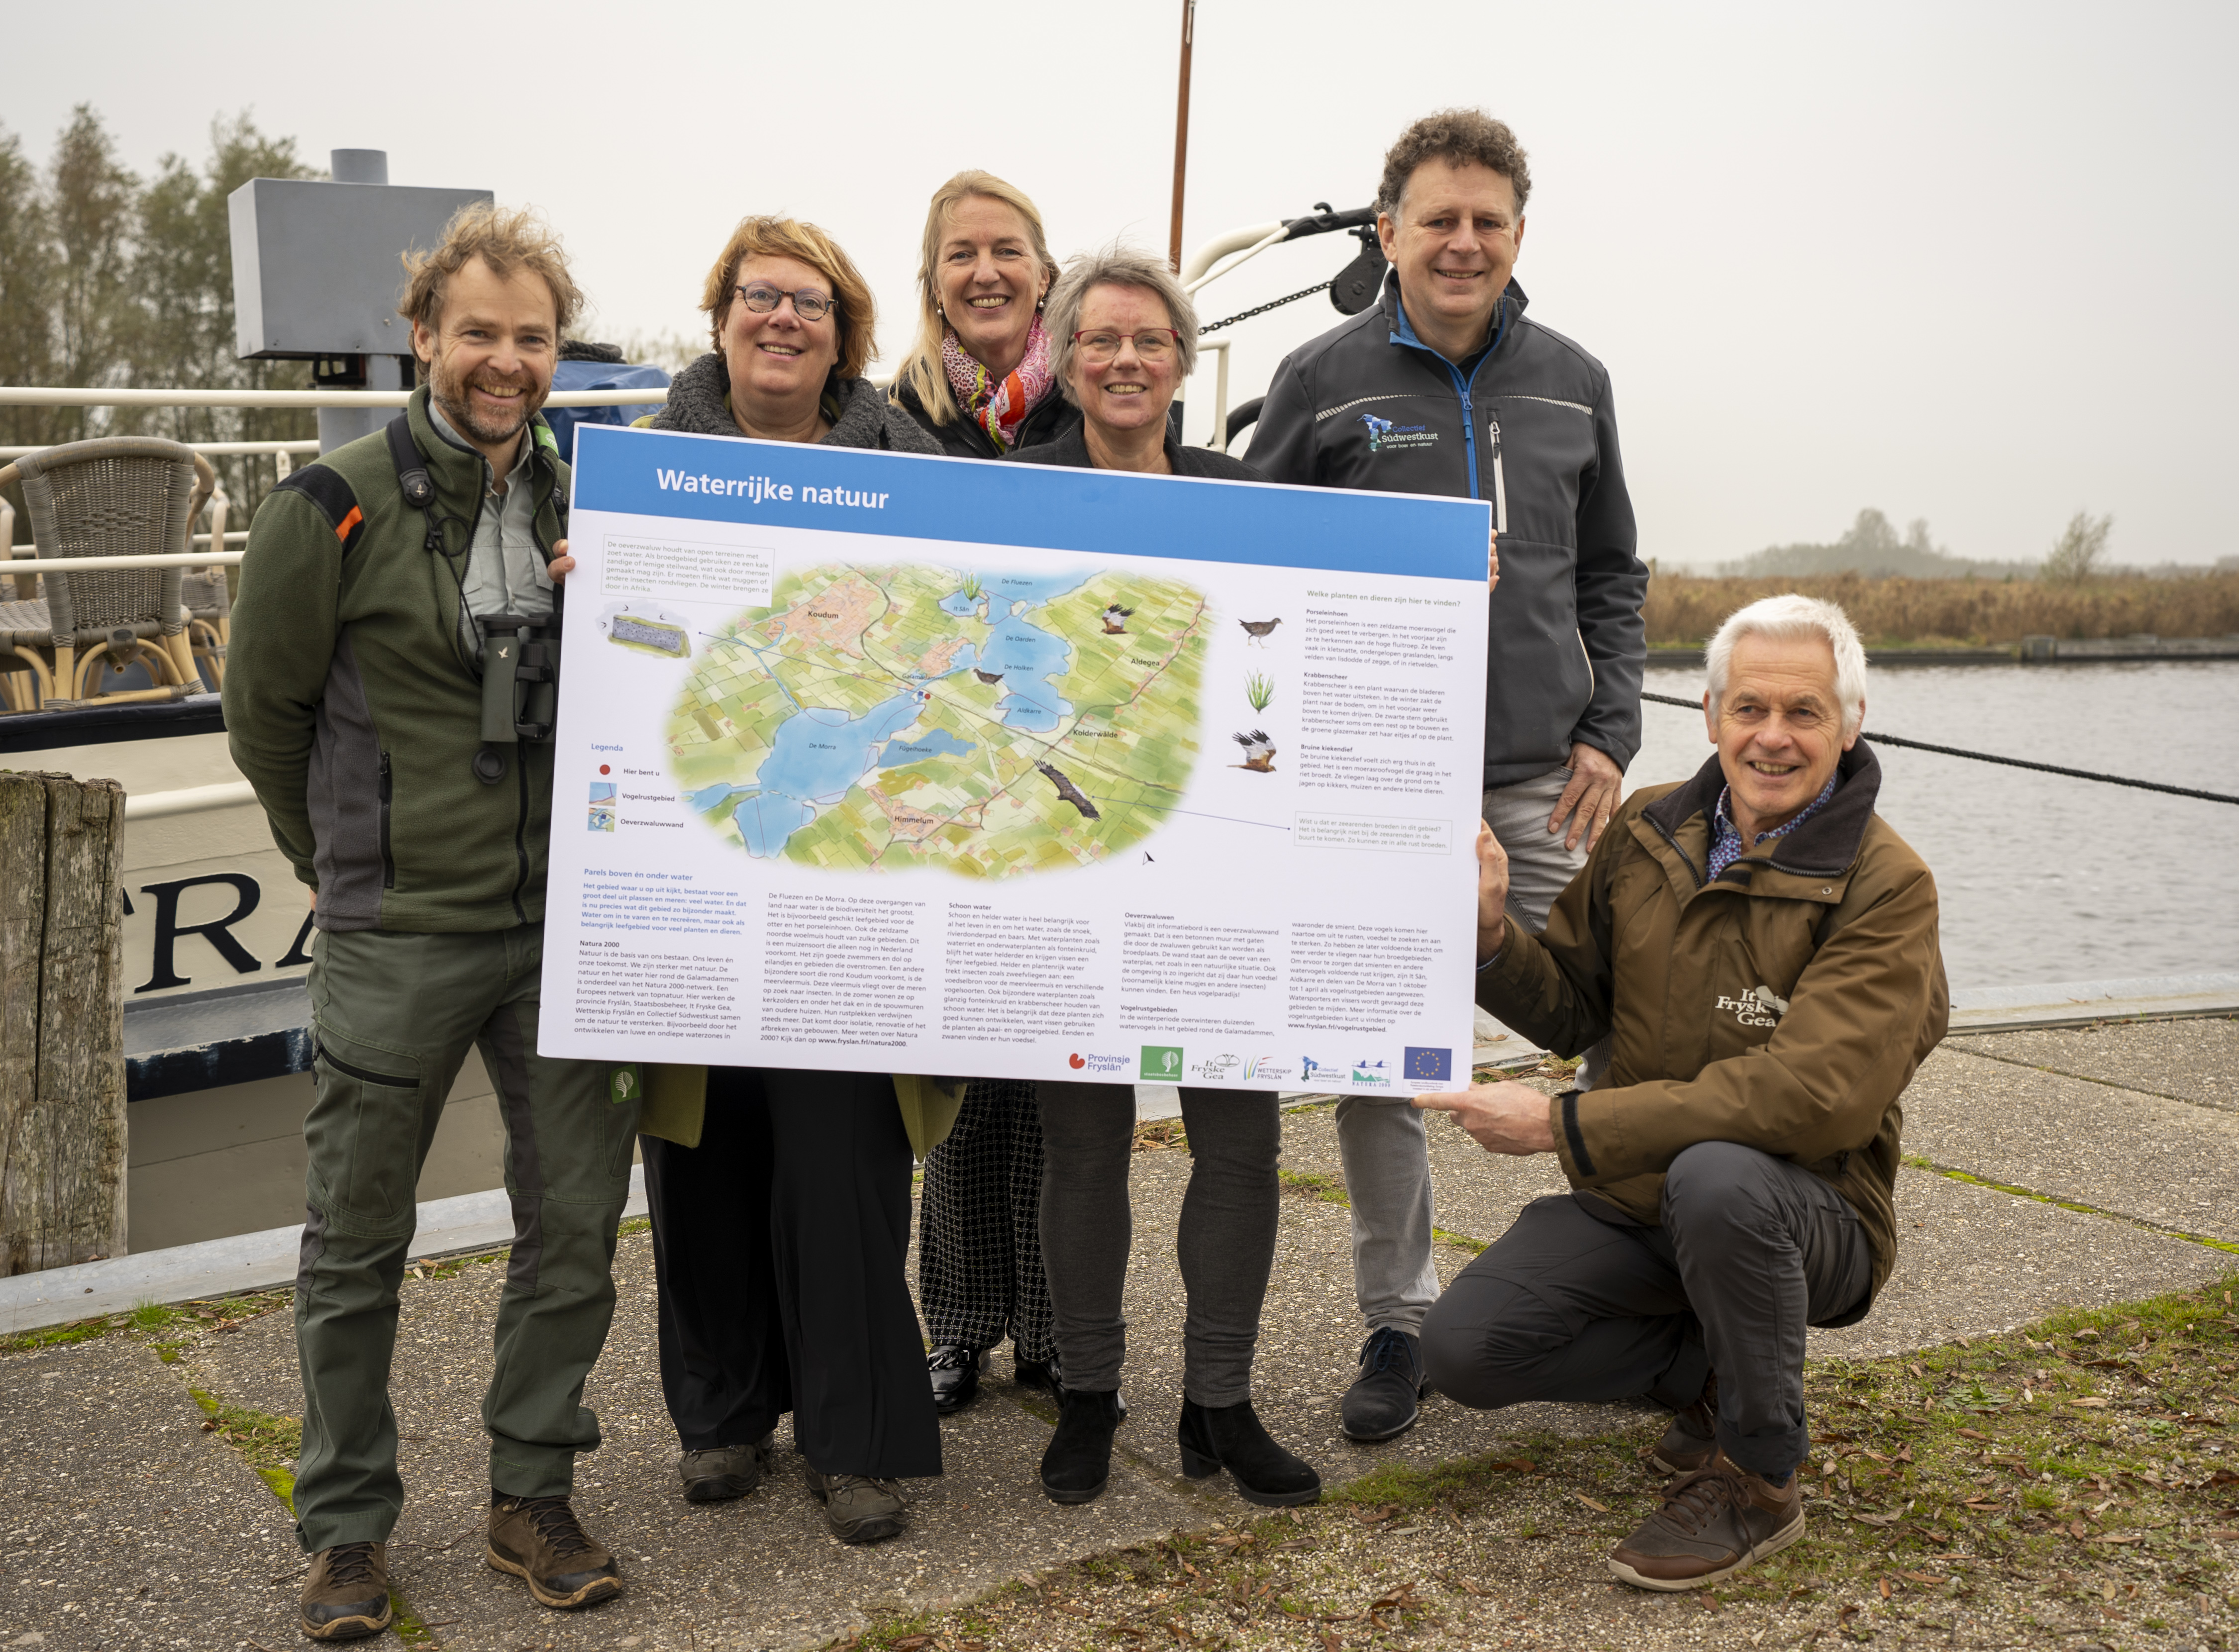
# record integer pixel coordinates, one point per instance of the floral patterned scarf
(1000, 406)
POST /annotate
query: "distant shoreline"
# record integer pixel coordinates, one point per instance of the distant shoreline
(1970, 621)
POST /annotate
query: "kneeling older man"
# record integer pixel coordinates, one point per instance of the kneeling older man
(1760, 947)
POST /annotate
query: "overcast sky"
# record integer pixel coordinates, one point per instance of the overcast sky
(1972, 263)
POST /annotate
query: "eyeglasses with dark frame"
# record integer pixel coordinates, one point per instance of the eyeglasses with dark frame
(1152, 344)
(808, 303)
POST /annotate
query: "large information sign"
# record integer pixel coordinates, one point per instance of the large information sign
(877, 762)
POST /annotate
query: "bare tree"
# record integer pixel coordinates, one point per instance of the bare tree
(2075, 554)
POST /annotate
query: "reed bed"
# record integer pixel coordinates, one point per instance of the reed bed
(1685, 609)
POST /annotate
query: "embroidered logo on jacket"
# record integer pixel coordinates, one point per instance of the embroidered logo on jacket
(1383, 434)
(1758, 1007)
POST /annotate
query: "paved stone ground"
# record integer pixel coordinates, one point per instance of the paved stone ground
(124, 1525)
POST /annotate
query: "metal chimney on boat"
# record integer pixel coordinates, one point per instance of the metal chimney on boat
(317, 269)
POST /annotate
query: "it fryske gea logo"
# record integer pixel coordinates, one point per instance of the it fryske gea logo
(1097, 1064)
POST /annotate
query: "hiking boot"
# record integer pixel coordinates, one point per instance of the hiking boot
(1713, 1522)
(1077, 1463)
(1383, 1400)
(1232, 1438)
(725, 1471)
(1692, 1439)
(537, 1540)
(955, 1372)
(860, 1509)
(347, 1594)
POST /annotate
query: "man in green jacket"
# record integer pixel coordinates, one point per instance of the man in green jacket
(1760, 949)
(382, 584)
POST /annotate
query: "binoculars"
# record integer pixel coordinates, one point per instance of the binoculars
(520, 687)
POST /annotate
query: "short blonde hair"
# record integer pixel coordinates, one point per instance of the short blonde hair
(1792, 618)
(771, 237)
(1116, 265)
(504, 238)
(921, 369)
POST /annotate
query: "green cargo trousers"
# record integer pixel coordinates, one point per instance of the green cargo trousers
(394, 1014)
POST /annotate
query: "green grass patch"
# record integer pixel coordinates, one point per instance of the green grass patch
(269, 1444)
(2080, 1475)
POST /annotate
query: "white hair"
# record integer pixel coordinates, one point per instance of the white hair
(1792, 619)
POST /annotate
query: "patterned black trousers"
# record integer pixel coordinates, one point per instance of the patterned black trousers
(980, 1253)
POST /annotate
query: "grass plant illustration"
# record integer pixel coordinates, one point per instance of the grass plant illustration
(1259, 688)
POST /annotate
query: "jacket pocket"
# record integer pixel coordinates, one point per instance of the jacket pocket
(388, 795)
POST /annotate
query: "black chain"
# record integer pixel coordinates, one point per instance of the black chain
(1985, 757)
(1246, 315)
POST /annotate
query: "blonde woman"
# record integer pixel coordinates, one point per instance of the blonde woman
(978, 379)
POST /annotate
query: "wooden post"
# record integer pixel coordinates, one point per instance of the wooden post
(1181, 130)
(62, 1021)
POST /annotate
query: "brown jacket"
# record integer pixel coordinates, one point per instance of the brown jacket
(1784, 1006)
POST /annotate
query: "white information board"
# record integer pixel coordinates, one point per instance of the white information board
(874, 762)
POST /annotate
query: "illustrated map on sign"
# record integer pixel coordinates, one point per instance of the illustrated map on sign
(994, 724)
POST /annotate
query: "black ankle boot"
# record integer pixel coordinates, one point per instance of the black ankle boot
(1231, 1438)
(1079, 1460)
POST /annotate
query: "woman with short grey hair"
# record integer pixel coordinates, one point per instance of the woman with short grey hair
(1124, 336)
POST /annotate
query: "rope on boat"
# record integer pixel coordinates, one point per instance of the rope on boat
(1246, 315)
(1985, 757)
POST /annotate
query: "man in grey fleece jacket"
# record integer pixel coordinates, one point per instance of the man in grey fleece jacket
(1444, 387)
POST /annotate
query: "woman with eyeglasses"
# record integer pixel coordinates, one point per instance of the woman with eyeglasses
(1124, 338)
(781, 1202)
(978, 382)
(791, 323)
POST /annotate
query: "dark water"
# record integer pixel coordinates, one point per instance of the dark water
(2043, 877)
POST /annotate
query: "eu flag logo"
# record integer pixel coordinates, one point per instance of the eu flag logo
(1437, 1065)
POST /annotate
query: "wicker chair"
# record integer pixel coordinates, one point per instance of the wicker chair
(209, 599)
(115, 496)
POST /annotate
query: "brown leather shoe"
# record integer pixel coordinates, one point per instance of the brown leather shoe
(347, 1594)
(1713, 1522)
(537, 1540)
(1692, 1439)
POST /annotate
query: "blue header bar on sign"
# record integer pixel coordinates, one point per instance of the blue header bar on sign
(664, 473)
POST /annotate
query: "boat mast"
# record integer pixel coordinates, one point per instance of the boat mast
(1181, 131)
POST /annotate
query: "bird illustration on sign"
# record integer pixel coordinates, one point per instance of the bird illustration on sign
(1259, 752)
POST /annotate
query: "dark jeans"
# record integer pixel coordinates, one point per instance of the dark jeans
(1567, 1305)
(779, 1245)
(1226, 1243)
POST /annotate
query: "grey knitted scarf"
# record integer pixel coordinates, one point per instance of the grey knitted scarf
(866, 419)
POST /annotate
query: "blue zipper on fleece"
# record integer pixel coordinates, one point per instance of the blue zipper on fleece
(1406, 336)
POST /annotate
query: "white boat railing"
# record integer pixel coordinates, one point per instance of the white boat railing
(38, 395)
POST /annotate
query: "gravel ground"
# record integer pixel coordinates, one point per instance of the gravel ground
(2195, 1061)
(1473, 1530)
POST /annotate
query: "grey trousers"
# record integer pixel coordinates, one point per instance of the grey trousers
(1381, 1141)
(1226, 1245)
(1570, 1306)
